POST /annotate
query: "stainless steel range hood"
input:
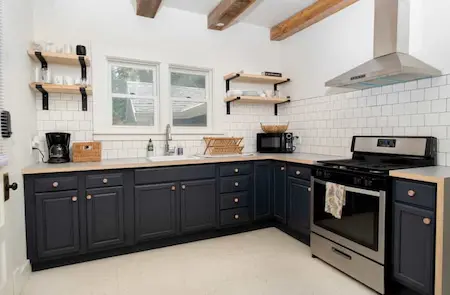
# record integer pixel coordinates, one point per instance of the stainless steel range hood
(392, 63)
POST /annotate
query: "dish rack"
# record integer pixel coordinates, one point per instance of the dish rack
(223, 145)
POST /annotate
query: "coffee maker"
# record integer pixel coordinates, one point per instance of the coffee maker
(58, 147)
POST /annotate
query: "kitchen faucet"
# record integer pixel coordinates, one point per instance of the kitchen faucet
(167, 149)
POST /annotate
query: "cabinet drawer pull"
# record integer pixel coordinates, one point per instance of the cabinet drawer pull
(282, 168)
(105, 180)
(55, 184)
(173, 188)
(88, 197)
(236, 216)
(236, 170)
(297, 172)
(411, 193)
(427, 221)
(183, 186)
(74, 199)
(236, 200)
(236, 184)
(309, 189)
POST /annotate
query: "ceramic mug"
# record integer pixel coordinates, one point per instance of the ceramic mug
(68, 49)
(78, 81)
(58, 80)
(68, 80)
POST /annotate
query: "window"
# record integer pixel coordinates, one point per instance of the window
(134, 93)
(189, 97)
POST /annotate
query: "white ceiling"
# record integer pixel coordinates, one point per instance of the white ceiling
(264, 13)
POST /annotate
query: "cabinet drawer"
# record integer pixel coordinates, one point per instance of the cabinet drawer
(234, 184)
(414, 193)
(169, 174)
(235, 169)
(234, 216)
(54, 184)
(299, 172)
(104, 180)
(233, 200)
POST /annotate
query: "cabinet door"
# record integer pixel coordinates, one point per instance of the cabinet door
(155, 211)
(279, 192)
(57, 223)
(414, 248)
(105, 217)
(299, 205)
(198, 205)
(262, 207)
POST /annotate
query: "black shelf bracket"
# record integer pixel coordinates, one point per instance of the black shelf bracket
(228, 81)
(275, 86)
(229, 104)
(44, 64)
(83, 67)
(83, 99)
(44, 96)
(276, 105)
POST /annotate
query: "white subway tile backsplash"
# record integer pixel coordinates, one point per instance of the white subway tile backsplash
(404, 96)
(432, 93)
(417, 95)
(381, 99)
(438, 81)
(424, 83)
(411, 85)
(417, 120)
(386, 110)
(444, 91)
(431, 119)
(392, 98)
(424, 107)
(399, 87)
(439, 106)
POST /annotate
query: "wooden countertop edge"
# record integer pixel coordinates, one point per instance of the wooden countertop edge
(99, 166)
(418, 177)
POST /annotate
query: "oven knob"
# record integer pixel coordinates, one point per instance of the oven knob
(357, 180)
(326, 175)
(319, 173)
(368, 182)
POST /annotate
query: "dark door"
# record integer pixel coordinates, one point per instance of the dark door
(299, 205)
(155, 211)
(57, 223)
(105, 217)
(262, 208)
(414, 248)
(279, 192)
(198, 205)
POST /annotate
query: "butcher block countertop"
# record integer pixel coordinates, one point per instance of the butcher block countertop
(42, 168)
(433, 174)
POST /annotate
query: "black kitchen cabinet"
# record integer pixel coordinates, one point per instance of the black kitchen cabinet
(57, 223)
(279, 192)
(155, 211)
(105, 217)
(198, 205)
(414, 250)
(299, 197)
(262, 207)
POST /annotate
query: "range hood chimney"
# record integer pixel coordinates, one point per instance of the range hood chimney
(391, 63)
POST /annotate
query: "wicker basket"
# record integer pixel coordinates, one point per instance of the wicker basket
(87, 152)
(274, 128)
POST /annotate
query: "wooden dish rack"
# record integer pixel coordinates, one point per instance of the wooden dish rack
(223, 145)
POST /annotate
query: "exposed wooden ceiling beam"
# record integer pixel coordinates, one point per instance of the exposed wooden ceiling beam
(307, 17)
(226, 13)
(147, 8)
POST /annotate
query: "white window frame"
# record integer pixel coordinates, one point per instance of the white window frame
(118, 129)
(208, 73)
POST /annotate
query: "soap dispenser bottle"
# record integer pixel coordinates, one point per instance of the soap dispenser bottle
(150, 149)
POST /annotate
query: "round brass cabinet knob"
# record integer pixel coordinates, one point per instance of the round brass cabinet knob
(105, 180)
(88, 197)
(74, 199)
(183, 187)
(55, 184)
(411, 193)
(427, 221)
(236, 216)
(236, 200)
(173, 188)
(297, 172)
(236, 184)
(282, 168)
(309, 189)
(236, 170)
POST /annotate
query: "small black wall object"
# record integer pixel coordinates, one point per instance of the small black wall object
(81, 50)
(5, 119)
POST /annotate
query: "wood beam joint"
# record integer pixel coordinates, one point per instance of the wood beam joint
(147, 8)
(226, 13)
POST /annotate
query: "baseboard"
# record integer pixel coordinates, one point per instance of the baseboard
(21, 276)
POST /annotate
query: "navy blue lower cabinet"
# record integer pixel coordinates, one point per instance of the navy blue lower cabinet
(262, 206)
(155, 211)
(279, 192)
(198, 205)
(414, 248)
(299, 198)
(105, 217)
(57, 223)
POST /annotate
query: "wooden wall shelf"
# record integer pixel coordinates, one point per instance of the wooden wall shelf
(251, 78)
(55, 88)
(253, 99)
(60, 58)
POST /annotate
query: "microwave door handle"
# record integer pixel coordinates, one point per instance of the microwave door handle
(354, 189)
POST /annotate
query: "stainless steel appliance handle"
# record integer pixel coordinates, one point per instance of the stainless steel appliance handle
(354, 189)
(340, 253)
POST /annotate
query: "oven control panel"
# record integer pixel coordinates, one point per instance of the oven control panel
(351, 179)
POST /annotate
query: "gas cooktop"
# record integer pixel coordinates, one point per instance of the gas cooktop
(366, 166)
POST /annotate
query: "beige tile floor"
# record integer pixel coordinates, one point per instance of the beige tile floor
(260, 262)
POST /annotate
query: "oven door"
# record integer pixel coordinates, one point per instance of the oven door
(362, 226)
(271, 143)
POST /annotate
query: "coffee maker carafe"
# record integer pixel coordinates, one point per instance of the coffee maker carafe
(58, 147)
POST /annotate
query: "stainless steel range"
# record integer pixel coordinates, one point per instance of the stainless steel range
(356, 243)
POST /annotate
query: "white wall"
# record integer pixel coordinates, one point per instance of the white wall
(173, 37)
(20, 102)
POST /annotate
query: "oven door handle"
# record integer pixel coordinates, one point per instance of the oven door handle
(354, 189)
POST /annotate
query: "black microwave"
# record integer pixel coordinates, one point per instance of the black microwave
(275, 143)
